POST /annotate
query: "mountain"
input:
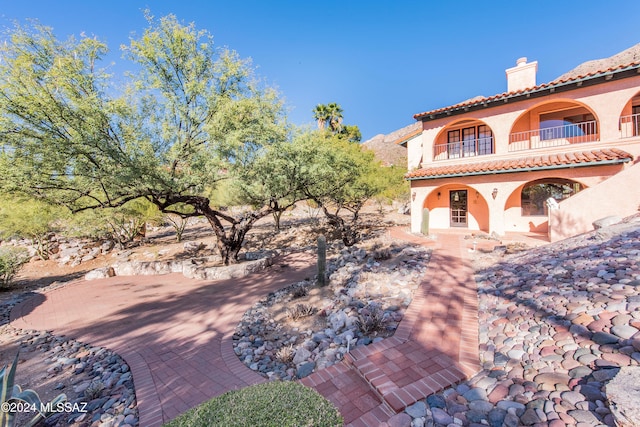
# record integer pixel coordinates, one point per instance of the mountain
(387, 148)
(628, 56)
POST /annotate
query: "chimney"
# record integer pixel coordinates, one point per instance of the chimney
(522, 76)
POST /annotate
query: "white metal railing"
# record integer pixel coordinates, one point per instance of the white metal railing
(630, 126)
(574, 133)
(467, 148)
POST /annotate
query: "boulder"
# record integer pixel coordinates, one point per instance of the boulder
(100, 273)
(623, 395)
(301, 356)
(606, 222)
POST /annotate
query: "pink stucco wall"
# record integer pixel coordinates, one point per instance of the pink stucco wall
(618, 195)
(606, 192)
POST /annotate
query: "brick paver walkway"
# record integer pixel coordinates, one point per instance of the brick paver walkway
(434, 347)
(176, 335)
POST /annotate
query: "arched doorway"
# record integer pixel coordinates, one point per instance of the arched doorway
(457, 206)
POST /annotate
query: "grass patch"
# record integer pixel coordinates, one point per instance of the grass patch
(276, 403)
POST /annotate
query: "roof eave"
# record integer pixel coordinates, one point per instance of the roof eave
(529, 169)
(405, 139)
(544, 90)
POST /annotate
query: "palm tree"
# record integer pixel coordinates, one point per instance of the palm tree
(335, 117)
(321, 115)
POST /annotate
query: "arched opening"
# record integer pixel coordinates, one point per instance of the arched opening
(630, 118)
(465, 138)
(553, 124)
(535, 194)
(457, 206)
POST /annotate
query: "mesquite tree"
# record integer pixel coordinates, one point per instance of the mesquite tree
(344, 176)
(191, 116)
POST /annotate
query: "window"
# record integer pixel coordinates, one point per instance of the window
(453, 143)
(485, 140)
(535, 194)
(469, 141)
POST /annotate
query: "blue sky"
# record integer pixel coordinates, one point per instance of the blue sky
(382, 61)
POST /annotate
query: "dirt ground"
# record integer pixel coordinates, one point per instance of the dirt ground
(299, 229)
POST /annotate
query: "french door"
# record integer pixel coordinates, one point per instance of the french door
(458, 208)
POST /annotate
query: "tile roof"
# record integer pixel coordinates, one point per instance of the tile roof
(403, 140)
(548, 161)
(561, 81)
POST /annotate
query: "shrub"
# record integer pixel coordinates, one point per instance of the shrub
(178, 223)
(122, 225)
(11, 259)
(300, 310)
(94, 390)
(382, 254)
(30, 219)
(299, 291)
(277, 404)
(371, 319)
(285, 354)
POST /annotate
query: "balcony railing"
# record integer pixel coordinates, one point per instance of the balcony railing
(630, 126)
(575, 133)
(467, 148)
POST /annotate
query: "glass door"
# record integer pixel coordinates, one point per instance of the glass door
(458, 207)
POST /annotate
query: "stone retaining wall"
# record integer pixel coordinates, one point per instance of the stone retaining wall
(187, 268)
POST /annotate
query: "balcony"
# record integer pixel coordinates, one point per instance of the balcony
(570, 133)
(630, 126)
(466, 148)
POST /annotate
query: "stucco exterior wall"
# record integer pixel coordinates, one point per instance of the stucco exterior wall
(607, 102)
(504, 213)
(618, 195)
(414, 152)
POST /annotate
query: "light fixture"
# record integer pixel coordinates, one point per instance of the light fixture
(413, 196)
(439, 194)
(494, 193)
(477, 194)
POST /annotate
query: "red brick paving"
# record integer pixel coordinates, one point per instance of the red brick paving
(175, 334)
(434, 347)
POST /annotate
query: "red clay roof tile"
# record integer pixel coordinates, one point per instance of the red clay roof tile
(560, 160)
(557, 82)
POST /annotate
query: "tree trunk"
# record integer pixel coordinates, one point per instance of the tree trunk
(276, 217)
(348, 231)
(230, 238)
(42, 246)
(230, 243)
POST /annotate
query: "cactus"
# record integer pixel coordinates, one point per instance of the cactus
(10, 392)
(424, 228)
(322, 261)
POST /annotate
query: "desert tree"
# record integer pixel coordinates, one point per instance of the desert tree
(32, 219)
(192, 116)
(343, 176)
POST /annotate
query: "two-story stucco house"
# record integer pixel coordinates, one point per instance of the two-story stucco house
(494, 163)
